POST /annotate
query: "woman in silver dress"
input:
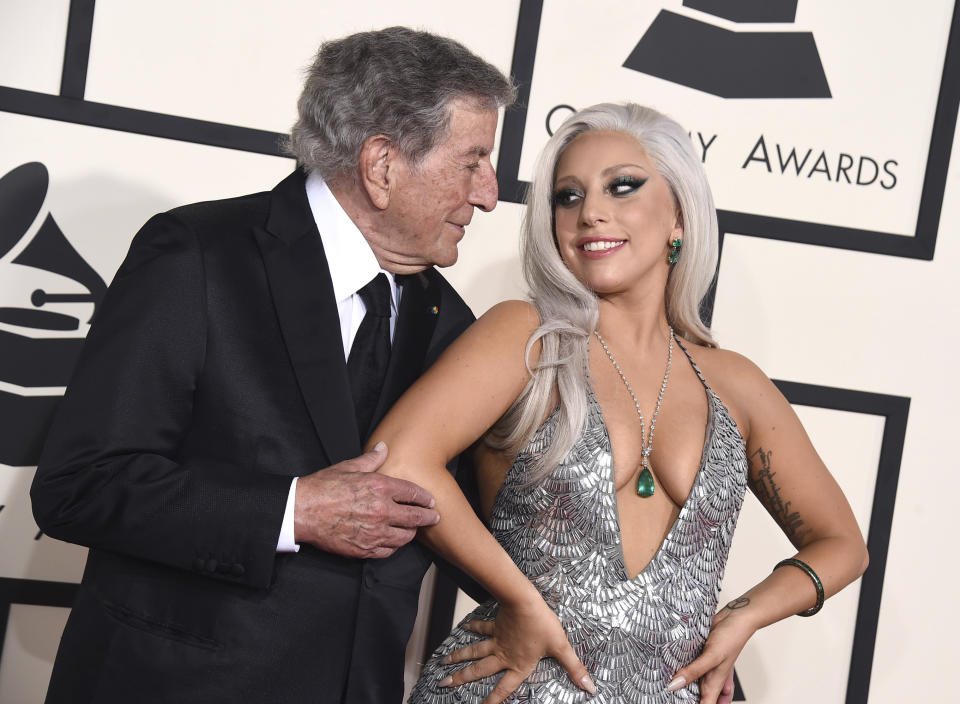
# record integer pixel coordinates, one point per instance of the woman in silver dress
(618, 441)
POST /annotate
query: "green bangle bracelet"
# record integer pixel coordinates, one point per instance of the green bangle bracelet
(816, 583)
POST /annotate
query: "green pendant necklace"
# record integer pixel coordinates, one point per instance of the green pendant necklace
(645, 483)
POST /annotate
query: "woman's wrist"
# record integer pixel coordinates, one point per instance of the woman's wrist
(519, 595)
(743, 613)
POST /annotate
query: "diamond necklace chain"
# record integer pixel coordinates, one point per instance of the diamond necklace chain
(645, 486)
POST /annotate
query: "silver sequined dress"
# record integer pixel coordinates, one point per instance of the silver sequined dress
(564, 533)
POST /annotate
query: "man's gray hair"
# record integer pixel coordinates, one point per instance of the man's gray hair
(396, 82)
(568, 309)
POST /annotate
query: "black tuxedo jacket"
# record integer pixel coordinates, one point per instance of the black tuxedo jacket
(213, 374)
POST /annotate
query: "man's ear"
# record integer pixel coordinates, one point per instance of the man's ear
(377, 157)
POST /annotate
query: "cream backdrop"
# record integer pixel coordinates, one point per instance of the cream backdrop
(837, 275)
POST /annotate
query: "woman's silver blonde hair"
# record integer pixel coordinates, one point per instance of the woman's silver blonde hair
(568, 309)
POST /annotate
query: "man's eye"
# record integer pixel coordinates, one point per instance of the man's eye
(566, 197)
(625, 185)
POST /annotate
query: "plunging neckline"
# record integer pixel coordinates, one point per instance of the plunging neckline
(710, 435)
(708, 438)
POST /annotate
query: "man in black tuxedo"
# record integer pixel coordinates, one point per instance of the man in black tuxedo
(245, 350)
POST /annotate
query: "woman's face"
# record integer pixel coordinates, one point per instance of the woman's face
(614, 214)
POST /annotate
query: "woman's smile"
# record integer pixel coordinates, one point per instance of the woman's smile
(596, 248)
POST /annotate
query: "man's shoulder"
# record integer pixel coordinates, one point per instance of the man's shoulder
(216, 215)
(453, 303)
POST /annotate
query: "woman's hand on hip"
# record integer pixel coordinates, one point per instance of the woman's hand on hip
(714, 667)
(518, 639)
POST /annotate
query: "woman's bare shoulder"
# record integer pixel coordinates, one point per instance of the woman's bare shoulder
(512, 314)
(725, 365)
(738, 382)
(504, 328)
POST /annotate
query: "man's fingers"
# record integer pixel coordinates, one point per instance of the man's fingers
(394, 538)
(370, 460)
(350, 509)
(505, 687)
(403, 516)
(404, 492)
(376, 553)
(578, 673)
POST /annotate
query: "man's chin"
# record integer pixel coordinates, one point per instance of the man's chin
(416, 264)
(447, 257)
(449, 261)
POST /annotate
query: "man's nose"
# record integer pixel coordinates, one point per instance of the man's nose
(484, 194)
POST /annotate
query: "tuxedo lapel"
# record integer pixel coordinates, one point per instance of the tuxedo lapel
(416, 320)
(303, 297)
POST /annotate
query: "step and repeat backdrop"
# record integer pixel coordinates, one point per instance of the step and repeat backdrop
(828, 133)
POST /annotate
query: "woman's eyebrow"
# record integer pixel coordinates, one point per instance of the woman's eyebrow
(617, 167)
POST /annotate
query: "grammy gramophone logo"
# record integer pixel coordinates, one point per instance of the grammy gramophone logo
(729, 63)
(49, 295)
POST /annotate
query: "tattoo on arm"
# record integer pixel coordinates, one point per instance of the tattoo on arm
(768, 492)
(738, 603)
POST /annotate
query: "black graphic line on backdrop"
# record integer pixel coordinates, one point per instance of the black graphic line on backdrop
(921, 245)
(941, 141)
(150, 124)
(515, 117)
(32, 592)
(76, 55)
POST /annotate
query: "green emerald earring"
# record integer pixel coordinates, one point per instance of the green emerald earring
(674, 255)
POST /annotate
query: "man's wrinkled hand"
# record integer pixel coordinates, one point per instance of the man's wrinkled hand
(350, 510)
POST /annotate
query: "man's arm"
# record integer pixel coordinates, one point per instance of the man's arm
(111, 475)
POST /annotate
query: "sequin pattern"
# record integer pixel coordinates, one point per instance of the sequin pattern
(564, 533)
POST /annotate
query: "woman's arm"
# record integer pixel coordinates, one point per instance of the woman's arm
(472, 384)
(791, 481)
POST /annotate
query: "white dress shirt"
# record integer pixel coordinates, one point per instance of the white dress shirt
(352, 266)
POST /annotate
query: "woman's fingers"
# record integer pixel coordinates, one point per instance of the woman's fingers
(711, 687)
(694, 671)
(484, 628)
(505, 687)
(522, 634)
(726, 692)
(477, 670)
(571, 663)
(474, 651)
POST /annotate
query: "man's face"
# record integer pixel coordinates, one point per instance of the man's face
(432, 203)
